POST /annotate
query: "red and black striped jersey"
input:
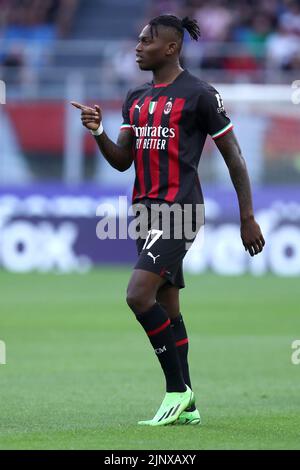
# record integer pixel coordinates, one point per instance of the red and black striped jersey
(170, 123)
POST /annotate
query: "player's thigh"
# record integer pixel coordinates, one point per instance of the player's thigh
(168, 297)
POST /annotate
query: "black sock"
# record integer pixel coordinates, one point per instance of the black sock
(182, 343)
(157, 326)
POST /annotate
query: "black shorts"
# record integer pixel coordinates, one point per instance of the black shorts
(160, 252)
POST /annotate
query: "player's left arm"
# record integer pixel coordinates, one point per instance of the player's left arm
(251, 235)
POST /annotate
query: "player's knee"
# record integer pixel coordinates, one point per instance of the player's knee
(135, 302)
(138, 300)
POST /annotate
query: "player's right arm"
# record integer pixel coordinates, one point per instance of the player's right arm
(118, 155)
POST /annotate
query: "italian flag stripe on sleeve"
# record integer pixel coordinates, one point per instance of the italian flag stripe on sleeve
(125, 126)
(223, 131)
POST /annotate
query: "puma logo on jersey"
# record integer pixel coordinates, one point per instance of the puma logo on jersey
(153, 257)
(139, 107)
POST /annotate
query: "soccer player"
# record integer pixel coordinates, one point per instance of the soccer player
(165, 125)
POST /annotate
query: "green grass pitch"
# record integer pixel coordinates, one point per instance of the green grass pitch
(80, 371)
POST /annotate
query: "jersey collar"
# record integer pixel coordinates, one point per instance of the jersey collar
(163, 85)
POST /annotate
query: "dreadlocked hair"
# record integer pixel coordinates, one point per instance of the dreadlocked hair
(180, 25)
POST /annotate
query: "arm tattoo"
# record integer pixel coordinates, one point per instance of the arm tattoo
(231, 152)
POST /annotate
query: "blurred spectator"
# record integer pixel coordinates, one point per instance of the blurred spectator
(215, 20)
(38, 23)
(62, 13)
(255, 34)
(4, 7)
(243, 38)
(126, 57)
(290, 19)
(281, 48)
(163, 7)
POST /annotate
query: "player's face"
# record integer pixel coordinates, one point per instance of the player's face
(151, 52)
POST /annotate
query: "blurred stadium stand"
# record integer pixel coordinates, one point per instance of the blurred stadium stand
(53, 51)
(108, 19)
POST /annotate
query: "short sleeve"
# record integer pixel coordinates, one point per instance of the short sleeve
(212, 115)
(125, 113)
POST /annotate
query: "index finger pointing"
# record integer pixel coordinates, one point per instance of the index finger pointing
(78, 105)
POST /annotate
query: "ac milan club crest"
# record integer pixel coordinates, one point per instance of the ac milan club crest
(168, 107)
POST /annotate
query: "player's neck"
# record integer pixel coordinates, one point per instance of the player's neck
(166, 74)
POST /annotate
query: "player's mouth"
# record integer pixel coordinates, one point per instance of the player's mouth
(139, 58)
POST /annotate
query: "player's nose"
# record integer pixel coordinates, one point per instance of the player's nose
(138, 47)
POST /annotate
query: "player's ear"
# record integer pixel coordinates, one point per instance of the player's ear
(172, 48)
